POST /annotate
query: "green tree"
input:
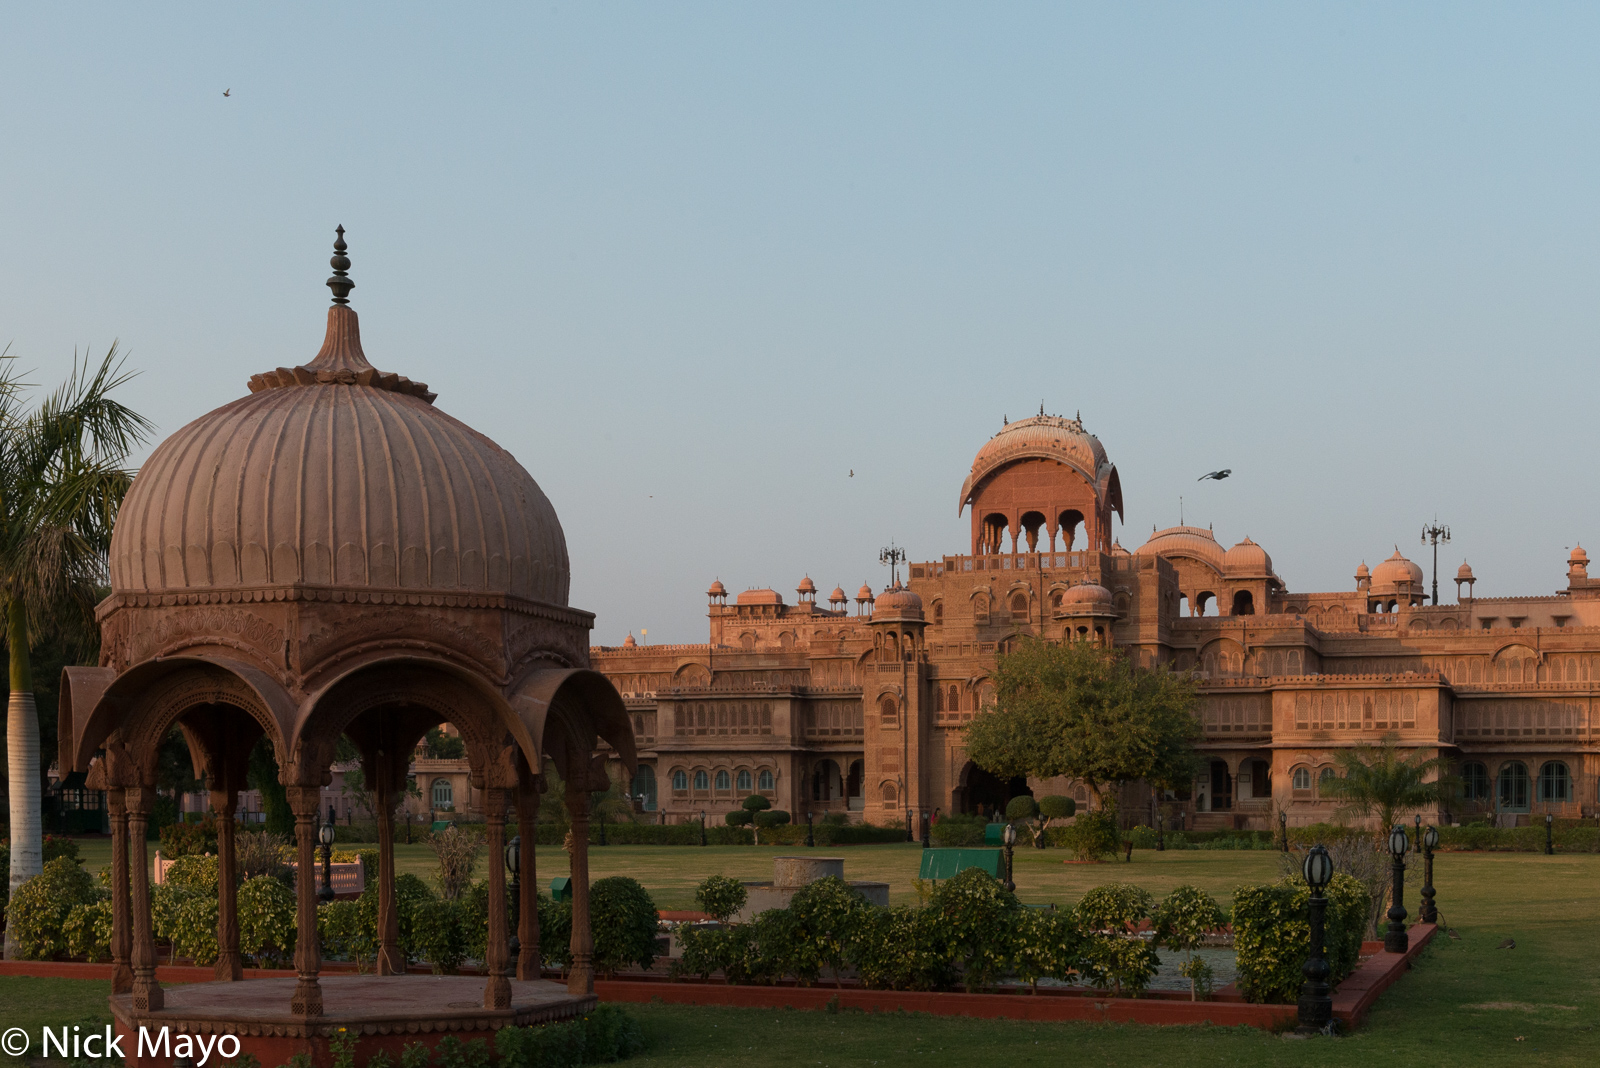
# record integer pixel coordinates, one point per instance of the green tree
(1087, 713)
(62, 480)
(1378, 780)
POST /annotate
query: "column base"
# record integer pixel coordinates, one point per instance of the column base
(230, 967)
(307, 999)
(580, 980)
(147, 995)
(391, 961)
(497, 993)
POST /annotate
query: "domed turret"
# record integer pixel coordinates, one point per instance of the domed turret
(717, 589)
(1086, 595)
(1038, 481)
(1247, 560)
(1464, 572)
(1396, 574)
(1194, 543)
(1578, 561)
(837, 597)
(628, 642)
(864, 593)
(337, 477)
(897, 603)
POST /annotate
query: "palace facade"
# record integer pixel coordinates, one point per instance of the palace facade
(860, 707)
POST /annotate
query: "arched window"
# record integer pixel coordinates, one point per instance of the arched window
(680, 781)
(1019, 608)
(955, 698)
(889, 711)
(1323, 776)
(723, 782)
(1302, 780)
(1514, 786)
(938, 698)
(1555, 782)
(744, 781)
(764, 779)
(702, 781)
(1474, 781)
(938, 612)
(891, 793)
(443, 795)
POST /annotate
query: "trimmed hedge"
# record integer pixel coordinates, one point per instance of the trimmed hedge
(1272, 935)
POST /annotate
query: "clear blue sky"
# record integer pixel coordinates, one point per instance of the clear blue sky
(694, 263)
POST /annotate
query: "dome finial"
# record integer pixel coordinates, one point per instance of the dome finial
(340, 282)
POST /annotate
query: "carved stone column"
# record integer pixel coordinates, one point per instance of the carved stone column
(391, 961)
(580, 980)
(528, 895)
(497, 990)
(147, 995)
(121, 932)
(307, 1000)
(230, 966)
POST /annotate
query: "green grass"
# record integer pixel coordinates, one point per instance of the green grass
(1466, 1002)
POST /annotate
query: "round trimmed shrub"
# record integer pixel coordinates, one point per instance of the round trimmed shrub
(755, 803)
(1021, 807)
(624, 919)
(37, 913)
(738, 818)
(772, 818)
(1056, 807)
(721, 896)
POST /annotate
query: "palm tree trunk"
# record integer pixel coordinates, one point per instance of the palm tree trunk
(22, 749)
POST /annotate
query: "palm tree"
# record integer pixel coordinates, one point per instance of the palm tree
(1377, 779)
(61, 481)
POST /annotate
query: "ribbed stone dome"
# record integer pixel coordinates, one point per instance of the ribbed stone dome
(336, 475)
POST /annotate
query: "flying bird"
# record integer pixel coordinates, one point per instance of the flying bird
(227, 92)
(852, 472)
(1218, 475)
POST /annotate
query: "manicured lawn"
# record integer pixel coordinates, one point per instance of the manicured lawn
(1466, 1003)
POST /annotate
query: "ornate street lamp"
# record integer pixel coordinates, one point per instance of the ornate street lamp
(1396, 940)
(1549, 840)
(811, 838)
(1161, 833)
(926, 839)
(325, 836)
(1433, 533)
(702, 826)
(1009, 836)
(1283, 826)
(1416, 842)
(1427, 913)
(1316, 998)
(514, 866)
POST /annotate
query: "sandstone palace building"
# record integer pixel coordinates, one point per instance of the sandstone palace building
(859, 707)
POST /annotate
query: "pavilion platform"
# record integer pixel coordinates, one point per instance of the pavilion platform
(384, 1012)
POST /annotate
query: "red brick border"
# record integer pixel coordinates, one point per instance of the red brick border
(1351, 1002)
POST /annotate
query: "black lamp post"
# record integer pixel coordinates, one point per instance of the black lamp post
(702, 826)
(1427, 913)
(325, 836)
(1009, 835)
(514, 866)
(811, 839)
(1416, 843)
(1316, 1000)
(1396, 940)
(1161, 833)
(1549, 830)
(1283, 826)
(926, 838)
